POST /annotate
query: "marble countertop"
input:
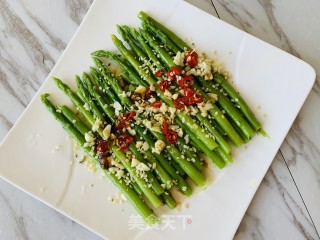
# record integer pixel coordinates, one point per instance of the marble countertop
(286, 205)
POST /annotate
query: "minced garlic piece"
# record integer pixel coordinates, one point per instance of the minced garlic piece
(152, 100)
(163, 108)
(145, 146)
(158, 146)
(119, 173)
(89, 139)
(179, 58)
(132, 131)
(139, 144)
(117, 108)
(142, 167)
(86, 107)
(141, 89)
(167, 94)
(134, 162)
(213, 96)
(96, 125)
(107, 131)
(175, 96)
(152, 87)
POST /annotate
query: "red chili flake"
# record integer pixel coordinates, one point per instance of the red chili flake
(163, 85)
(156, 104)
(103, 146)
(148, 93)
(173, 73)
(191, 58)
(196, 98)
(187, 101)
(171, 136)
(123, 141)
(187, 92)
(121, 125)
(165, 128)
(128, 116)
(158, 73)
(179, 103)
(186, 81)
(103, 159)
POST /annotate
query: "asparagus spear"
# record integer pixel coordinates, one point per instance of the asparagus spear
(140, 206)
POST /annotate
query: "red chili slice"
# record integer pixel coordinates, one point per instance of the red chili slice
(173, 72)
(191, 58)
(179, 103)
(186, 81)
(103, 146)
(121, 125)
(165, 128)
(156, 104)
(196, 98)
(163, 85)
(128, 116)
(171, 136)
(158, 73)
(123, 141)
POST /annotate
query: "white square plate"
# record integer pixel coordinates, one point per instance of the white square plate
(265, 75)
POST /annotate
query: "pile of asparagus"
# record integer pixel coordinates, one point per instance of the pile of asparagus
(106, 124)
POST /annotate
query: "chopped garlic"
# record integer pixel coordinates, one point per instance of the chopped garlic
(139, 144)
(142, 167)
(152, 100)
(167, 94)
(117, 108)
(86, 107)
(148, 124)
(179, 58)
(175, 96)
(134, 162)
(96, 125)
(119, 173)
(172, 110)
(132, 132)
(89, 138)
(213, 96)
(141, 89)
(156, 129)
(152, 87)
(107, 131)
(145, 146)
(163, 108)
(158, 146)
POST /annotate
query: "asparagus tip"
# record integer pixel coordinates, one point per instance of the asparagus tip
(142, 15)
(44, 97)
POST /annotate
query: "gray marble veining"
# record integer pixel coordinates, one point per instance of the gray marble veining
(33, 35)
